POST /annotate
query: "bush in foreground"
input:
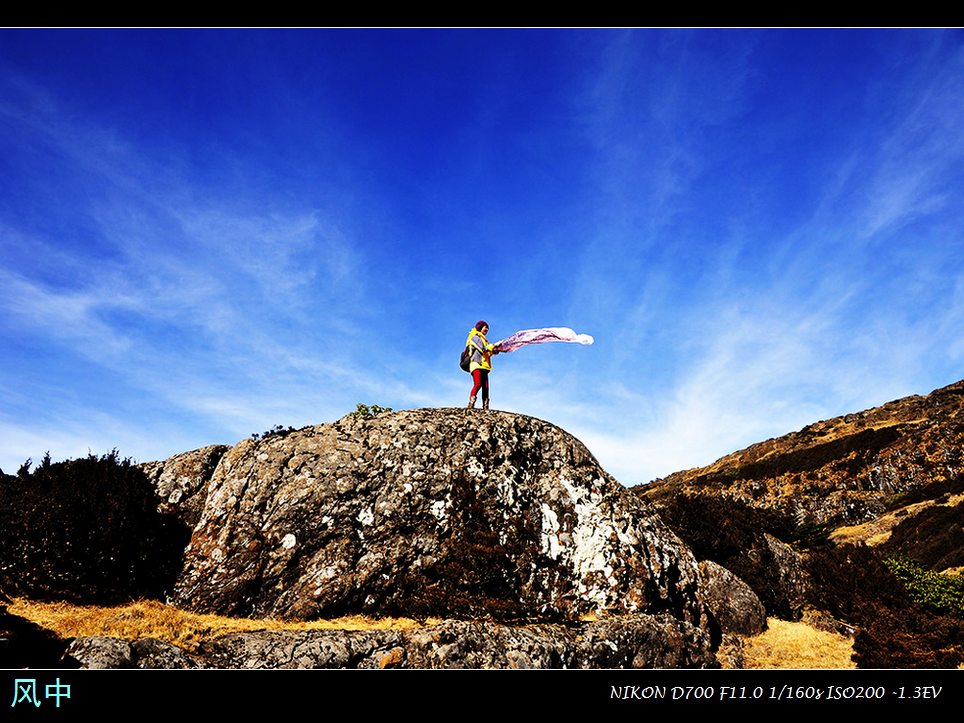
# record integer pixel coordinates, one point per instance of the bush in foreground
(85, 530)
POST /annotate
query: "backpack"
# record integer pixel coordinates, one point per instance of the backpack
(466, 358)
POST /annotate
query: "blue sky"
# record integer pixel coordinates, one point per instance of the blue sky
(206, 233)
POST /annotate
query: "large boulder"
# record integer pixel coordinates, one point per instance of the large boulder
(447, 512)
(778, 575)
(735, 536)
(734, 605)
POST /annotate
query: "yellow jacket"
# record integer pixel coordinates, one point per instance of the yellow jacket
(481, 351)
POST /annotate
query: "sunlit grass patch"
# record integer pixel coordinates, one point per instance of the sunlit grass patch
(153, 619)
(797, 645)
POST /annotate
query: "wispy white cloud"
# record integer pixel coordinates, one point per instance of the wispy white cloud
(70, 315)
(283, 256)
(905, 163)
(222, 309)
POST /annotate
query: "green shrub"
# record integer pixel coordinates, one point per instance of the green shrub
(927, 587)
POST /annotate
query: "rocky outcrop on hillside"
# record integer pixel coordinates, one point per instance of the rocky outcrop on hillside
(929, 528)
(444, 512)
(841, 471)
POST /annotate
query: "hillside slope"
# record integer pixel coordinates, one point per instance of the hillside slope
(846, 470)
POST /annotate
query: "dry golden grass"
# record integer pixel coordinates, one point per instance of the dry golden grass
(782, 645)
(152, 619)
(797, 645)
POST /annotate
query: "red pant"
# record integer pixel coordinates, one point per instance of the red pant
(481, 377)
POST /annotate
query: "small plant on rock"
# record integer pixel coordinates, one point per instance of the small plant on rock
(368, 412)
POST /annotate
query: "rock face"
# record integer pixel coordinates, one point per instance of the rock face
(181, 481)
(634, 641)
(444, 512)
(100, 652)
(778, 576)
(631, 641)
(733, 603)
(843, 470)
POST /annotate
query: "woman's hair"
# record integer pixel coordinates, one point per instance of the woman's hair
(478, 327)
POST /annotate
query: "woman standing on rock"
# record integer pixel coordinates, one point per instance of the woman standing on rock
(481, 363)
